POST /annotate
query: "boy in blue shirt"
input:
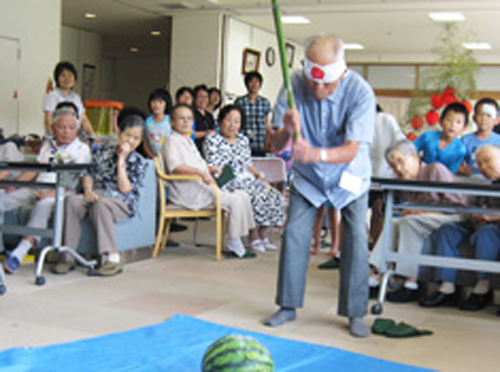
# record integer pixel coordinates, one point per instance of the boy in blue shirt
(444, 146)
(485, 117)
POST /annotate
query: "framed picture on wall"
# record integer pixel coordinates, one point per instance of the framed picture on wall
(89, 77)
(251, 59)
(290, 53)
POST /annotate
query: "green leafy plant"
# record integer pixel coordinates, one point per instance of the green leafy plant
(452, 78)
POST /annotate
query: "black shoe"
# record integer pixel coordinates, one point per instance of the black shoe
(177, 227)
(441, 299)
(403, 295)
(477, 302)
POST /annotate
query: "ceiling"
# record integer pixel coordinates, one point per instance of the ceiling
(384, 27)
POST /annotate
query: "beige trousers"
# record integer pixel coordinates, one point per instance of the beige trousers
(102, 213)
(240, 219)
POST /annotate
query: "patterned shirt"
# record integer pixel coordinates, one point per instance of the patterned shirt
(255, 120)
(219, 152)
(348, 114)
(105, 175)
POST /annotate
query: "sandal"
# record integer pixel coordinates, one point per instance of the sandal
(258, 245)
(268, 245)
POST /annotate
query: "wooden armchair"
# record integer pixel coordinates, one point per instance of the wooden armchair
(169, 211)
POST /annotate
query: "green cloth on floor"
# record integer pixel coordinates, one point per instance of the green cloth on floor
(389, 328)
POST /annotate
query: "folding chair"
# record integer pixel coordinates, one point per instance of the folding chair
(169, 211)
(273, 169)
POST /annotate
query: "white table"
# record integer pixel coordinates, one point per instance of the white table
(391, 186)
(55, 233)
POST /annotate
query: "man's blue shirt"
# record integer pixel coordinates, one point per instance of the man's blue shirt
(346, 115)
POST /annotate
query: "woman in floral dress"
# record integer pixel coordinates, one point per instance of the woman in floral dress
(230, 147)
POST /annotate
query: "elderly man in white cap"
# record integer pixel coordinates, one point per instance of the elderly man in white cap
(66, 148)
(332, 126)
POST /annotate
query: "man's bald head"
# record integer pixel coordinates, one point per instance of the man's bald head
(488, 161)
(324, 49)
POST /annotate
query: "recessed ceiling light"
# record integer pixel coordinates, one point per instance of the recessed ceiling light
(295, 20)
(155, 33)
(90, 15)
(447, 16)
(353, 46)
(134, 49)
(477, 46)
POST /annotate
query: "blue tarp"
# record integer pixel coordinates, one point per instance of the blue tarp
(178, 345)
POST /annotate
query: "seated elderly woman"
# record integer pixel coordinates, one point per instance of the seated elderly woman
(410, 231)
(182, 157)
(110, 194)
(231, 147)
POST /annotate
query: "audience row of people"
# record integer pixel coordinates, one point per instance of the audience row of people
(445, 154)
(110, 191)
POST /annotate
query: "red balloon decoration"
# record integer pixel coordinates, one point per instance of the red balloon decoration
(449, 92)
(432, 117)
(449, 99)
(412, 136)
(437, 101)
(468, 106)
(417, 122)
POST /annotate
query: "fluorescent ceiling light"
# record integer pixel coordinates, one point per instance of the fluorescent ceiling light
(155, 33)
(477, 46)
(353, 46)
(447, 16)
(295, 20)
(90, 15)
(134, 50)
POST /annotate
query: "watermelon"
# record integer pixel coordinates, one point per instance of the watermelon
(237, 353)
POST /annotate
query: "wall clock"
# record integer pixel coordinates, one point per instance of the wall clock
(270, 56)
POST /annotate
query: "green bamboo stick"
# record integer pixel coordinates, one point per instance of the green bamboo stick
(283, 57)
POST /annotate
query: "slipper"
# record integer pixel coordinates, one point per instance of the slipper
(381, 325)
(231, 254)
(402, 329)
(389, 328)
(172, 243)
(332, 263)
(110, 269)
(62, 268)
(257, 245)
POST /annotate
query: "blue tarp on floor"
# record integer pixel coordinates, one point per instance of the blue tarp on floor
(178, 345)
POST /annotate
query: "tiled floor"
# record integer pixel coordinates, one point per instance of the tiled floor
(238, 293)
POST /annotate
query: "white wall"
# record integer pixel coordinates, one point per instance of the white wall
(196, 50)
(241, 35)
(37, 24)
(82, 47)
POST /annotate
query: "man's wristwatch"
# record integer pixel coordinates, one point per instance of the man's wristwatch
(322, 155)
